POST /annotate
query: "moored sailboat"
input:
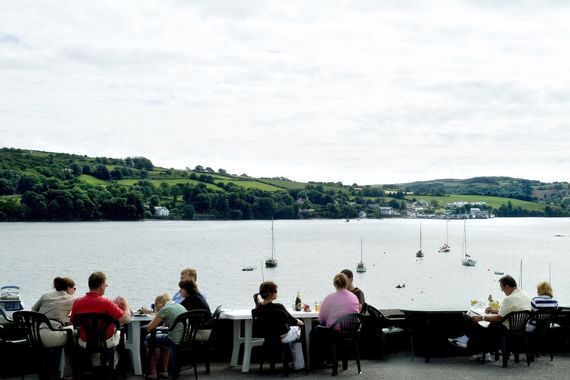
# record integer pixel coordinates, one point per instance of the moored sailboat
(467, 260)
(420, 253)
(360, 267)
(272, 261)
(445, 247)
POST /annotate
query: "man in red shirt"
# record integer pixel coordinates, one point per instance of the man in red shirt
(94, 302)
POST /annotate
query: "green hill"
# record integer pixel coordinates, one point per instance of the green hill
(37, 185)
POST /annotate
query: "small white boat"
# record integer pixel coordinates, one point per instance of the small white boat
(247, 269)
(498, 272)
(10, 299)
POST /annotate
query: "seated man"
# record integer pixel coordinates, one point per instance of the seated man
(515, 300)
(94, 302)
(186, 275)
(355, 290)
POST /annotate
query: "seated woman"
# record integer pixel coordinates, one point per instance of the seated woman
(193, 300)
(166, 312)
(280, 321)
(334, 306)
(545, 298)
(56, 306)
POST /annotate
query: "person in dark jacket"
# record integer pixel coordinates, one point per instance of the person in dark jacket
(280, 321)
(193, 300)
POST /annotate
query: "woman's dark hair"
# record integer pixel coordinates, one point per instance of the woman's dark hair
(508, 281)
(189, 285)
(63, 283)
(340, 281)
(265, 289)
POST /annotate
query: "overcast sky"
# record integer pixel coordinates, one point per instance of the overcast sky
(354, 91)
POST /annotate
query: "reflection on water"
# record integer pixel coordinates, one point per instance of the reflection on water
(144, 259)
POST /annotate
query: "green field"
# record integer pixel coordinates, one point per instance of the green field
(170, 181)
(250, 184)
(494, 202)
(289, 185)
(92, 180)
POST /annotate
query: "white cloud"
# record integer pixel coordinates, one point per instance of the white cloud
(356, 91)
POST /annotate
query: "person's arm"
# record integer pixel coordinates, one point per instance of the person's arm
(156, 321)
(487, 318)
(37, 305)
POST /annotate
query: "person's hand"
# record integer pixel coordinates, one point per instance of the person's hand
(300, 322)
(491, 310)
(476, 318)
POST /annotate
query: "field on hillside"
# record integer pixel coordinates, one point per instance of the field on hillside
(494, 202)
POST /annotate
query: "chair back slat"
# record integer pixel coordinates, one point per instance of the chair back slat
(544, 317)
(217, 312)
(94, 327)
(190, 322)
(29, 323)
(347, 327)
(518, 320)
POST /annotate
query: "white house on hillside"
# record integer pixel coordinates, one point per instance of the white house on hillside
(161, 211)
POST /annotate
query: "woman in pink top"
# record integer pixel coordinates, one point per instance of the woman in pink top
(339, 303)
(334, 306)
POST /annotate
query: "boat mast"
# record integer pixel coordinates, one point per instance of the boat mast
(272, 240)
(464, 239)
(420, 235)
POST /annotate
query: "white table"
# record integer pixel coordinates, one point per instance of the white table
(246, 339)
(133, 342)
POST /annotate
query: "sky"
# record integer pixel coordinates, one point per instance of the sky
(367, 91)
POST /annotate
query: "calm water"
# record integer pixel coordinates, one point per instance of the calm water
(144, 259)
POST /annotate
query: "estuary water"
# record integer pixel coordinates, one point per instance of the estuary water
(144, 259)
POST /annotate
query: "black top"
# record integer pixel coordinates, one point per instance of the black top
(359, 294)
(277, 319)
(196, 302)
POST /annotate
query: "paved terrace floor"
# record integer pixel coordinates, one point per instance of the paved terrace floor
(400, 367)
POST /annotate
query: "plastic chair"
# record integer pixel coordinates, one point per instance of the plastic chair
(29, 323)
(541, 330)
(190, 322)
(209, 345)
(272, 348)
(95, 326)
(382, 326)
(515, 336)
(345, 335)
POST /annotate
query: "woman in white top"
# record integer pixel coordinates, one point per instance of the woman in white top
(56, 306)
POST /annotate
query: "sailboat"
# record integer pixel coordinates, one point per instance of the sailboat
(467, 260)
(420, 253)
(445, 247)
(360, 267)
(272, 261)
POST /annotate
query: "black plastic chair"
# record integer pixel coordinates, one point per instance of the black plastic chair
(382, 327)
(190, 322)
(209, 345)
(541, 330)
(94, 327)
(273, 349)
(345, 336)
(29, 323)
(515, 336)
